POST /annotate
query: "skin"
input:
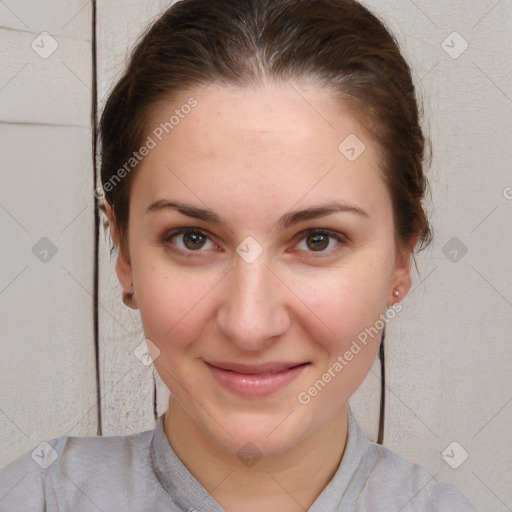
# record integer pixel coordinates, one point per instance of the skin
(251, 156)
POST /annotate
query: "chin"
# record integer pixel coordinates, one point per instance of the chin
(265, 433)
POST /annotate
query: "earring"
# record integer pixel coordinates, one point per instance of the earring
(396, 293)
(127, 298)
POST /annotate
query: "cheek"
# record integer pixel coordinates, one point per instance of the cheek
(172, 303)
(345, 301)
(346, 328)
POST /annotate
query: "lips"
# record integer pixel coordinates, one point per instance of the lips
(255, 380)
(261, 369)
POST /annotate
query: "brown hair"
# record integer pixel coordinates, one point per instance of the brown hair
(336, 43)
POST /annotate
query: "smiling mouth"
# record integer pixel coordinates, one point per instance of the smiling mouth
(255, 380)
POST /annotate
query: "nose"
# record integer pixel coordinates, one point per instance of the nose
(253, 313)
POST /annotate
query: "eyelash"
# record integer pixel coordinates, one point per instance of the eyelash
(340, 238)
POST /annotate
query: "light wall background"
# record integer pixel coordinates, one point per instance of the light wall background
(448, 353)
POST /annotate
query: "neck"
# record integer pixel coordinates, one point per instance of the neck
(289, 482)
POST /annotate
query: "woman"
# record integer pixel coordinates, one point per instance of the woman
(262, 168)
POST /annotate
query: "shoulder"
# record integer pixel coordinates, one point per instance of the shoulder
(394, 481)
(55, 469)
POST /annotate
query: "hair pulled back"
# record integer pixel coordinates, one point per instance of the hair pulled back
(338, 44)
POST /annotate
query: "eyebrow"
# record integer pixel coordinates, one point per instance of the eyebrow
(287, 220)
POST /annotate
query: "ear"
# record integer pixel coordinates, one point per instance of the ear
(123, 264)
(402, 275)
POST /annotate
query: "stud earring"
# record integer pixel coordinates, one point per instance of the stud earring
(127, 298)
(396, 293)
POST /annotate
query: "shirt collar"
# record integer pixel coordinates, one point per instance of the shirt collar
(186, 492)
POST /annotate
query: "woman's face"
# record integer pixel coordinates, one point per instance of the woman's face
(262, 253)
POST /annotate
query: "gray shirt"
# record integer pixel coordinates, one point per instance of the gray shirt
(141, 472)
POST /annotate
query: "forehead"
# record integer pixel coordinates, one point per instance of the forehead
(280, 142)
(269, 118)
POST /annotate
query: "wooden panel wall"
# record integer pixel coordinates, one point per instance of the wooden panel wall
(47, 361)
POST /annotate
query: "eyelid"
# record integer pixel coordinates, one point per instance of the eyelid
(183, 230)
(166, 239)
(339, 237)
(322, 231)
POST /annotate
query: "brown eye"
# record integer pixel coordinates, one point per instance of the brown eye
(194, 241)
(188, 240)
(317, 242)
(321, 241)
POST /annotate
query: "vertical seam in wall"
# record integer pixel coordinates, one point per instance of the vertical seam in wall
(382, 410)
(94, 119)
(155, 399)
